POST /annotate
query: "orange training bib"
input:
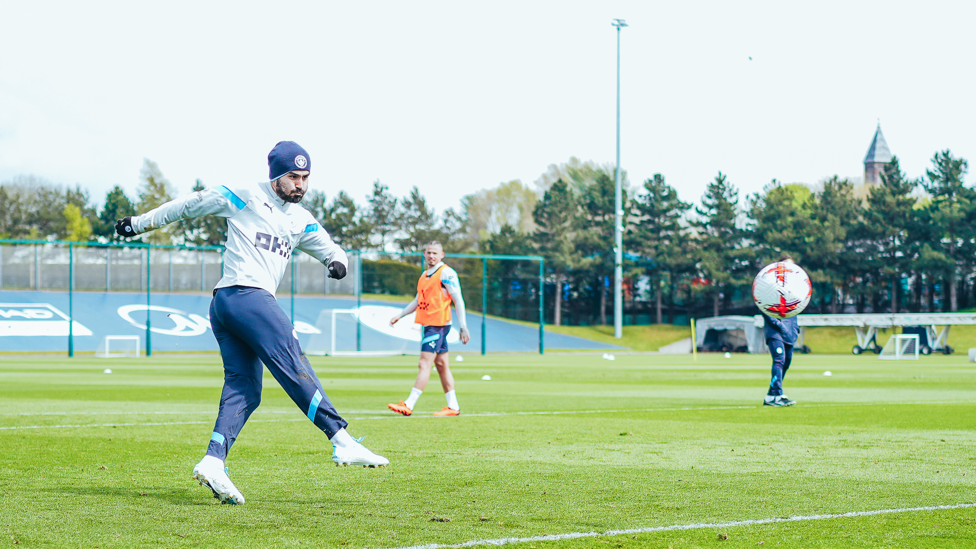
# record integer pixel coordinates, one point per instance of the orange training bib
(433, 302)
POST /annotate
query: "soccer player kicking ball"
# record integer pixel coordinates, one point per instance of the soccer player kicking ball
(264, 224)
(780, 335)
(437, 288)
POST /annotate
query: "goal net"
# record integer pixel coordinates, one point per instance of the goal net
(118, 346)
(366, 331)
(901, 347)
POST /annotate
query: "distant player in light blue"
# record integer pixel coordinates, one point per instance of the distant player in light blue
(264, 225)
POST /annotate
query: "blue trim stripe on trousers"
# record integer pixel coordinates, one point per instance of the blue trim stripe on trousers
(251, 329)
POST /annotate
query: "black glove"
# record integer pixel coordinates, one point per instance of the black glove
(124, 226)
(337, 270)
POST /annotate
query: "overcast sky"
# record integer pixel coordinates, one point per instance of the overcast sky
(454, 97)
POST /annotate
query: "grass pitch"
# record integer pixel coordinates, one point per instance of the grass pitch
(553, 445)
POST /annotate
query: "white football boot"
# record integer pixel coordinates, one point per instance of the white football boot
(348, 451)
(210, 472)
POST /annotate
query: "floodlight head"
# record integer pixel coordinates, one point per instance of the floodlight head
(619, 23)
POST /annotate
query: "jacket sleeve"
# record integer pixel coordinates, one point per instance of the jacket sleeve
(775, 323)
(218, 201)
(452, 284)
(316, 242)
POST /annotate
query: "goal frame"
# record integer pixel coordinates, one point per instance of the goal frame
(332, 339)
(899, 347)
(108, 349)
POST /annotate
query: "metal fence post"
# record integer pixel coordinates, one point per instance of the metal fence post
(203, 271)
(171, 271)
(71, 300)
(148, 304)
(484, 303)
(542, 317)
(37, 268)
(108, 268)
(359, 299)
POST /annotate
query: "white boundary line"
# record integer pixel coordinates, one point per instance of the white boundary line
(492, 414)
(678, 527)
(397, 417)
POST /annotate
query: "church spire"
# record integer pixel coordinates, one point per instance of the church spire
(879, 151)
(878, 155)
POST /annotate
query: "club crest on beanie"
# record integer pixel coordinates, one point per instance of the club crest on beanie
(287, 156)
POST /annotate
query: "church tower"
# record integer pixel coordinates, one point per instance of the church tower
(878, 155)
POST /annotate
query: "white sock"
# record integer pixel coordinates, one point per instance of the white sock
(212, 461)
(414, 396)
(342, 439)
(452, 402)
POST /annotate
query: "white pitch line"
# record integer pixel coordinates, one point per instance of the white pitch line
(491, 414)
(364, 418)
(678, 527)
(392, 416)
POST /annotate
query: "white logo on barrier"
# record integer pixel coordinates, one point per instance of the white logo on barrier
(185, 324)
(306, 328)
(378, 318)
(36, 319)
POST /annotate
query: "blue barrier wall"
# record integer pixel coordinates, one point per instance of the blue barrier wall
(38, 321)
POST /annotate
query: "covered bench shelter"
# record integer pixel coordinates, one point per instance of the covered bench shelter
(729, 333)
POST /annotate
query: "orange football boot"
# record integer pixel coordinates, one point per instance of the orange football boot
(400, 408)
(447, 412)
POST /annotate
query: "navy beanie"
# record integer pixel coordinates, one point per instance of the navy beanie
(287, 156)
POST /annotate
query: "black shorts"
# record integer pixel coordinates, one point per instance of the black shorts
(435, 339)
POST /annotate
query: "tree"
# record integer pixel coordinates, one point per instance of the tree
(382, 213)
(951, 203)
(655, 230)
(887, 222)
(117, 205)
(488, 210)
(597, 240)
(154, 191)
(453, 232)
(509, 241)
(418, 222)
(724, 258)
(78, 227)
(80, 198)
(578, 175)
(34, 208)
(207, 230)
(834, 256)
(344, 223)
(558, 219)
(783, 220)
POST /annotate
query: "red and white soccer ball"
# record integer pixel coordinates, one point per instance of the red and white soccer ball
(782, 289)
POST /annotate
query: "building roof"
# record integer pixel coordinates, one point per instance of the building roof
(879, 151)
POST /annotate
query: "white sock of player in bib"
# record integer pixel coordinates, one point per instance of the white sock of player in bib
(452, 402)
(414, 396)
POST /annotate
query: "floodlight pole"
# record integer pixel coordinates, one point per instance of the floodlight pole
(618, 243)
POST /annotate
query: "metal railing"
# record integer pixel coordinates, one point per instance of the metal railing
(145, 268)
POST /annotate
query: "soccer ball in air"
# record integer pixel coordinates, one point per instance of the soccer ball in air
(782, 289)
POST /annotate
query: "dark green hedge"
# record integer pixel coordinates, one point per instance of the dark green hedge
(387, 276)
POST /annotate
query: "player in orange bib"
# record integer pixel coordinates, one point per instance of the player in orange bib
(437, 288)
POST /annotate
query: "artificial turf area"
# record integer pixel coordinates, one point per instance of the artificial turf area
(552, 445)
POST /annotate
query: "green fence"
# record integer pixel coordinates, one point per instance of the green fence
(510, 286)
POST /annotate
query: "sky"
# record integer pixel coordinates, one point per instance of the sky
(455, 97)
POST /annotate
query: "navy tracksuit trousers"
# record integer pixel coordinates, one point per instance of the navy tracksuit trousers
(782, 356)
(251, 328)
